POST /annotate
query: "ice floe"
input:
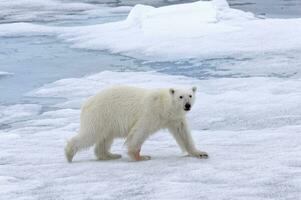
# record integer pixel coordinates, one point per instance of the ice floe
(249, 126)
(225, 103)
(203, 28)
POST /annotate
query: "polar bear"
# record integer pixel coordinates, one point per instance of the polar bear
(133, 113)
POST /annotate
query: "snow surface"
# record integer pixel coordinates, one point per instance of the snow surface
(17, 112)
(249, 126)
(203, 28)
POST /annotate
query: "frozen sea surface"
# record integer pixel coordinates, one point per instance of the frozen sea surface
(247, 115)
(250, 127)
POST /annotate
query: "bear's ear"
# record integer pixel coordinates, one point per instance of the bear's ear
(171, 91)
(194, 88)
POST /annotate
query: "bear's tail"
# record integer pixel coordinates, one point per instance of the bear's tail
(77, 143)
(70, 150)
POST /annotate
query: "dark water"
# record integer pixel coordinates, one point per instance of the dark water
(270, 8)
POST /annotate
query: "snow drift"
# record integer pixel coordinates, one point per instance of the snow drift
(203, 28)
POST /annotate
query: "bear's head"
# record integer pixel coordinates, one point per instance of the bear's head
(183, 99)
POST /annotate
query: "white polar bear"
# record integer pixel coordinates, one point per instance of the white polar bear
(133, 113)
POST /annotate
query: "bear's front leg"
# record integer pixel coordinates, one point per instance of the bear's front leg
(135, 155)
(180, 131)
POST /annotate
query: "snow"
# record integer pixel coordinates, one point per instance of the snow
(18, 112)
(203, 28)
(249, 126)
(210, 28)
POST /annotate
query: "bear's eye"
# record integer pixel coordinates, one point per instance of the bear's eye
(190, 96)
(181, 97)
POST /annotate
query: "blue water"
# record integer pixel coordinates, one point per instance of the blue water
(35, 61)
(270, 8)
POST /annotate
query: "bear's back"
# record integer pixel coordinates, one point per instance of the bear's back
(116, 97)
(117, 107)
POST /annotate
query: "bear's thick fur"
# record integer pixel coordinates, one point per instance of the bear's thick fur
(133, 113)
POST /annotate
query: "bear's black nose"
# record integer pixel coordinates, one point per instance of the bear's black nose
(187, 106)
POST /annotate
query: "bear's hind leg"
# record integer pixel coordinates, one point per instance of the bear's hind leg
(134, 141)
(102, 149)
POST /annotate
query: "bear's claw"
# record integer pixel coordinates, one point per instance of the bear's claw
(204, 156)
(200, 154)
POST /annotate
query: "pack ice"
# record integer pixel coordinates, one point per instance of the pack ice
(203, 28)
